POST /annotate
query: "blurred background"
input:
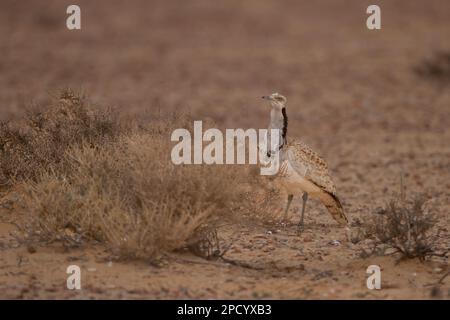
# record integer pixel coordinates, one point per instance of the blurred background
(217, 58)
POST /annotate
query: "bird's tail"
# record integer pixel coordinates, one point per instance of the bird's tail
(334, 207)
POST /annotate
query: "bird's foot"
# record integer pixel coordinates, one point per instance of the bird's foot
(300, 228)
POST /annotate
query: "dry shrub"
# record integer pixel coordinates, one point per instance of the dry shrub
(38, 143)
(405, 226)
(129, 195)
(260, 202)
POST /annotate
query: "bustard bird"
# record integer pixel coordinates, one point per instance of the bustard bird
(301, 170)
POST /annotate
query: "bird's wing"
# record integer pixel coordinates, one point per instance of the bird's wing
(310, 165)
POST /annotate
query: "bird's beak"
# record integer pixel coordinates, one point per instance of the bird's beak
(266, 97)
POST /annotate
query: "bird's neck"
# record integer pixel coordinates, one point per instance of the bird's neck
(279, 120)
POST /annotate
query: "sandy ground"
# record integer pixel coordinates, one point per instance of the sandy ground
(353, 97)
(263, 263)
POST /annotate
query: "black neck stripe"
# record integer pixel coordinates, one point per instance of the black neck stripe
(285, 124)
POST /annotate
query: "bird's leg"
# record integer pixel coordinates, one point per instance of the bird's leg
(304, 197)
(290, 197)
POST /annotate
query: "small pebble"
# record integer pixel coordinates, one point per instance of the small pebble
(437, 270)
(335, 243)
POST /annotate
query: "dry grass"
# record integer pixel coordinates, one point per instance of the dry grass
(38, 142)
(404, 225)
(124, 192)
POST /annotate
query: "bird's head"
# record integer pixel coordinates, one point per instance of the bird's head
(276, 100)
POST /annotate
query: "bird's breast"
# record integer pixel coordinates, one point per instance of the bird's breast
(293, 182)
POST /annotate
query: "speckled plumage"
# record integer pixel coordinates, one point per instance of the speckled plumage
(309, 164)
(302, 169)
